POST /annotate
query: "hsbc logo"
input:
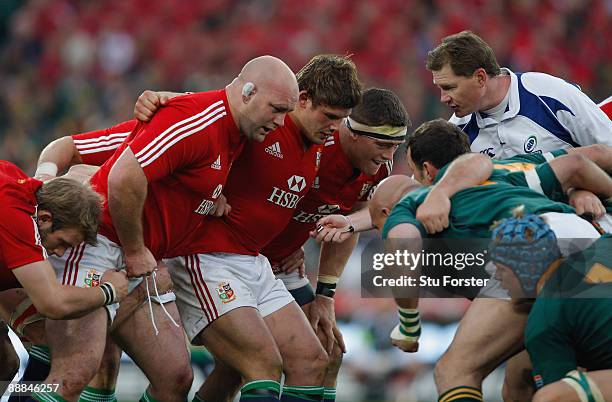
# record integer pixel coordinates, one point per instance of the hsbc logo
(296, 183)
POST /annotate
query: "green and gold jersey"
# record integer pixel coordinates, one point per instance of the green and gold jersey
(533, 171)
(570, 324)
(474, 210)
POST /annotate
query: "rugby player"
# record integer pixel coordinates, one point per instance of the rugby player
(173, 170)
(569, 327)
(462, 352)
(261, 206)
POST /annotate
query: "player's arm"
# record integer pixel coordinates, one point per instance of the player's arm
(467, 171)
(577, 171)
(127, 192)
(337, 228)
(92, 148)
(600, 154)
(150, 101)
(332, 260)
(57, 157)
(58, 301)
(405, 335)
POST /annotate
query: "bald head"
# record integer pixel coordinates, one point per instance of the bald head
(269, 70)
(387, 194)
(261, 96)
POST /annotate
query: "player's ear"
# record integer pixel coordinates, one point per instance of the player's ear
(303, 99)
(386, 211)
(248, 90)
(481, 76)
(430, 170)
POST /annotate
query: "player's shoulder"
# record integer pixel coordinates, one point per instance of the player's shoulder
(542, 84)
(209, 103)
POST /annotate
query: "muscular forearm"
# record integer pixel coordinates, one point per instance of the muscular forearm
(466, 171)
(334, 256)
(61, 152)
(600, 154)
(576, 171)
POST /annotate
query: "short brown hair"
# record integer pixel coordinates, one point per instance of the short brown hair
(438, 142)
(72, 205)
(330, 80)
(380, 107)
(465, 52)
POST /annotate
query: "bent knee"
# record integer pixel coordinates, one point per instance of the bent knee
(309, 366)
(452, 367)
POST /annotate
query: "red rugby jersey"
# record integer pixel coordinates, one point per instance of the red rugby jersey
(20, 242)
(336, 189)
(186, 152)
(264, 187)
(96, 147)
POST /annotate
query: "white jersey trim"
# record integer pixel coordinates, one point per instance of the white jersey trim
(173, 134)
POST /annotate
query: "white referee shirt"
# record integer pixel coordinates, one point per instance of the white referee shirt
(543, 114)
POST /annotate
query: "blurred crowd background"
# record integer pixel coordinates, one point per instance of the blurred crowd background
(69, 66)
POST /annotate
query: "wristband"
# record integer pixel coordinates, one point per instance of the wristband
(110, 295)
(303, 295)
(46, 168)
(326, 285)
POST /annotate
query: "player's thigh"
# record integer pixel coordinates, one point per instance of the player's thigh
(77, 345)
(562, 391)
(240, 338)
(490, 332)
(156, 353)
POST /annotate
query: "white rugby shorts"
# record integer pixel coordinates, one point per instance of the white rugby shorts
(84, 266)
(210, 285)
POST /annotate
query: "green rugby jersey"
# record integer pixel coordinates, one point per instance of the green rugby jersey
(533, 171)
(475, 209)
(570, 324)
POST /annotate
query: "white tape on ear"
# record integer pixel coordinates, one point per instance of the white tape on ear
(247, 89)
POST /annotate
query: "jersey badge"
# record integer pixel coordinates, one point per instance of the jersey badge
(530, 144)
(92, 278)
(225, 292)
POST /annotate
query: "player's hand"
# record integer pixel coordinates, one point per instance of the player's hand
(433, 212)
(586, 202)
(139, 263)
(119, 281)
(221, 207)
(332, 229)
(292, 262)
(149, 102)
(323, 317)
(162, 279)
(405, 343)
